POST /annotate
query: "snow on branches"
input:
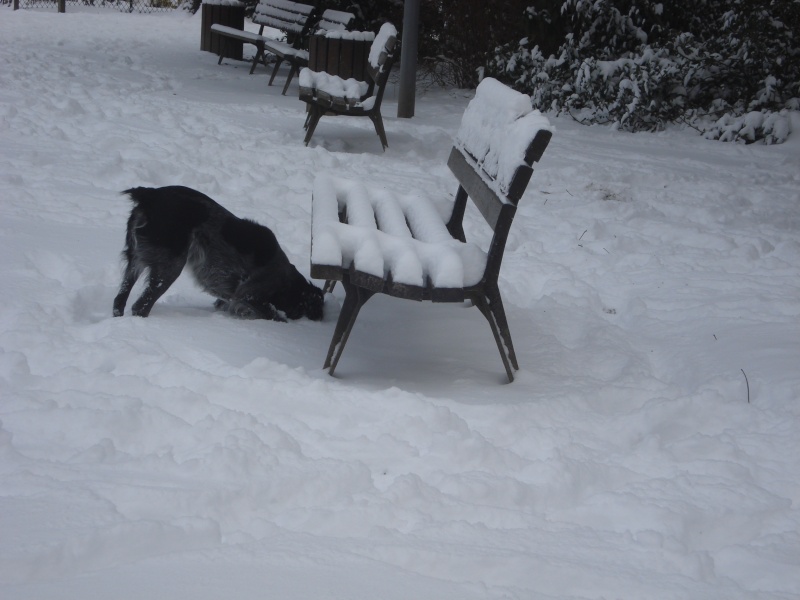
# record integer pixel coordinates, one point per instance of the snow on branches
(730, 68)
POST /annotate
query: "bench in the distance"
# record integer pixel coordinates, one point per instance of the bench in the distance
(326, 94)
(292, 19)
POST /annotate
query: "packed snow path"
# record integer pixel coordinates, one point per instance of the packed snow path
(190, 455)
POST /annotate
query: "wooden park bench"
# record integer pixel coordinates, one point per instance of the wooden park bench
(333, 95)
(296, 55)
(377, 241)
(295, 21)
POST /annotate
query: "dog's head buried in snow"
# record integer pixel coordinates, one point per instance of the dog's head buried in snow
(237, 260)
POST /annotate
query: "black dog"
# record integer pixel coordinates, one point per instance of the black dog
(237, 260)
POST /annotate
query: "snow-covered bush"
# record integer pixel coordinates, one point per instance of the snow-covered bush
(771, 127)
(641, 64)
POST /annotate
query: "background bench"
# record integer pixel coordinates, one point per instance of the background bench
(330, 94)
(292, 19)
(377, 241)
(297, 54)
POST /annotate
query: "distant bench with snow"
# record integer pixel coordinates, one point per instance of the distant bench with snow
(413, 247)
(326, 94)
(295, 22)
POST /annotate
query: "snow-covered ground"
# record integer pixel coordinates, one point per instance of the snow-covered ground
(649, 448)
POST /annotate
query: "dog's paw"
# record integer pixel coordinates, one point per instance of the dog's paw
(244, 310)
(140, 311)
(240, 310)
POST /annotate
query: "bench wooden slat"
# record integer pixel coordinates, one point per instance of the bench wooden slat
(476, 187)
(344, 65)
(334, 49)
(367, 281)
(237, 34)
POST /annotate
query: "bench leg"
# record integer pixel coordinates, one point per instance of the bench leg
(491, 306)
(355, 298)
(376, 119)
(259, 55)
(278, 61)
(292, 72)
(455, 224)
(221, 48)
(314, 115)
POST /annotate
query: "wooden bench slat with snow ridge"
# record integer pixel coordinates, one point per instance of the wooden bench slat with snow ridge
(378, 241)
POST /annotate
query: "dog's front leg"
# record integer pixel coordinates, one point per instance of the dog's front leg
(161, 276)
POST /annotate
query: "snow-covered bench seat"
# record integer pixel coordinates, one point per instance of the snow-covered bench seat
(330, 94)
(377, 241)
(294, 22)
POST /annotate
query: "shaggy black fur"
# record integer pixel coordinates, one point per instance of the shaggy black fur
(237, 260)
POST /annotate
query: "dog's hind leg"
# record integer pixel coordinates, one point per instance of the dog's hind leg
(162, 275)
(128, 280)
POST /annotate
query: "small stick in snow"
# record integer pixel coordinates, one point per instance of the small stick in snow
(748, 385)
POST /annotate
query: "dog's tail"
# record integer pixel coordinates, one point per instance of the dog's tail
(136, 221)
(142, 195)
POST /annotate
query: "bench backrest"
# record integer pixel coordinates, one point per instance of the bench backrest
(293, 18)
(499, 139)
(382, 54)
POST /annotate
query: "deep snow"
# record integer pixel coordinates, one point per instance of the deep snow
(652, 282)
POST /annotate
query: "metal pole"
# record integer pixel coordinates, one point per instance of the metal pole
(408, 60)
(62, 6)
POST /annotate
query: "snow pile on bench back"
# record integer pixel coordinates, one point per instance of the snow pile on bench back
(431, 253)
(497, 128)
(387, 31)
